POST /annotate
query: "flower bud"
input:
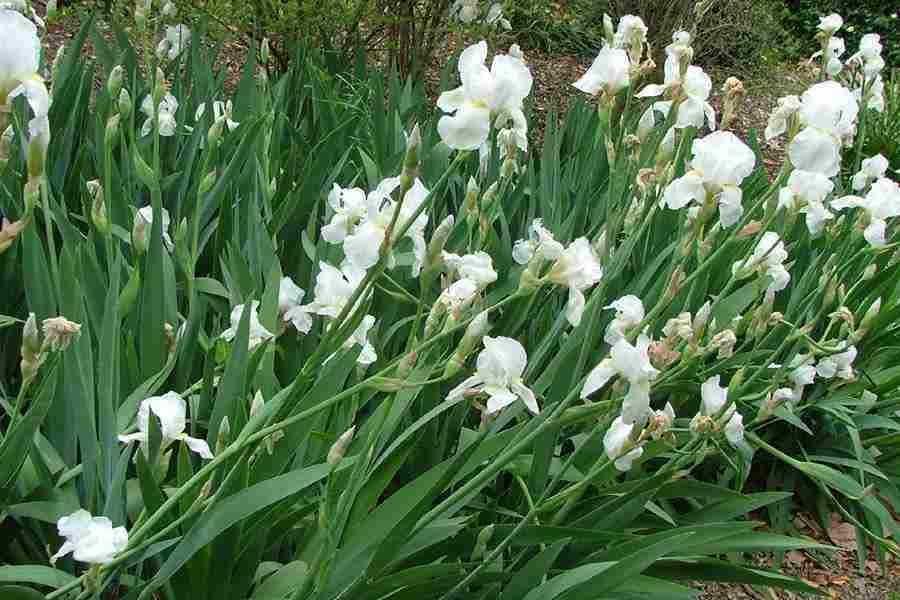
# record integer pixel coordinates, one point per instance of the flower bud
(6, 145)
(436, 245)
(98, 207)
(144, 172)
(206, 184)
(481, 542)
(264, 51)
(215, 133)
(32, 357)
(869, 272)
(112, 131)
(125, 104)
(609, 32)
(159, 89)
(224, 435)
(139, 235)
(169, 10)
(472, 191)
(339, 448)
(528, 283)
(114, 82)
(404, 368)
(413, 143)
(32, 195)
(871, 314)
(384, 384)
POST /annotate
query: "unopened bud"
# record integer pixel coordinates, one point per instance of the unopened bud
(404, 368)
(869, 272)
(413, 143)
(114, 82)
(207, 183)
(528, 283)
(215, 133)
(481, 542)
(31, 349)
(264, 51)
(339, 448)
(159, 88)
(139, 234)
(112, 131)
(472, 191)
(224, 436)
(98, 207)
(609, 32)
(6, 144)
(144, 172)
(438, 241)
(125, 104)
(676, 281)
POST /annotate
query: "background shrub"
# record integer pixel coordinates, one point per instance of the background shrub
(800, 18)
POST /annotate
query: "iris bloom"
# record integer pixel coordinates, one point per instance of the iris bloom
(221, 110)
(881, 203)
(629, 312)
(768, 257)
(171, 410)
(619, 446)
(632, 363)
(168, 106)
(360, 221)
(609, 74)
(713, 399)
(477, 267)
(177, 38)
(290, 295)
(498, 374)
(258, 333)
(19, 52)
(828, 113)
(578, 269)
(838, 365)
(484, 95)
(143, 222)
(90, 539)
(872, 169)
(780, 119)
(540, 244)
(333, 290)
(807, 191)
(721, 162)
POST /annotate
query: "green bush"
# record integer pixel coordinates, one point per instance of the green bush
(799, 19)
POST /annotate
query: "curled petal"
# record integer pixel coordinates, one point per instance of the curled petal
(527, 396)
(598, 377)
(198, 446)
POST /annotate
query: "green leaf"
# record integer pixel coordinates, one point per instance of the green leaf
(17, 592)
(232, 510)
(36, 574)
(569, 580)
(531, 575)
